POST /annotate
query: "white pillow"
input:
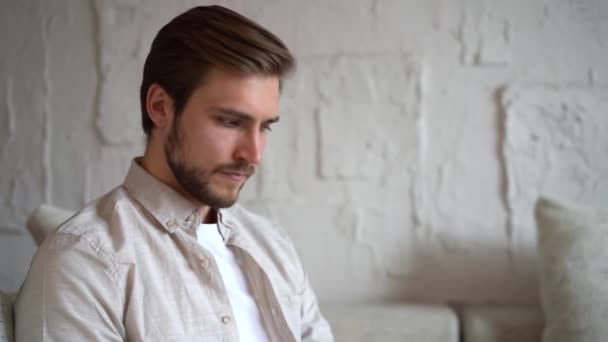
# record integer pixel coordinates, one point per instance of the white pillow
(44, 220)
(573, 251)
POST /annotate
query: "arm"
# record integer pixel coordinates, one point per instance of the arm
(69, 294)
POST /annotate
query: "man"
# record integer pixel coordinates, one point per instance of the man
(168, 255)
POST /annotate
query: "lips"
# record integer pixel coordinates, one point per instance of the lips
(234, 177)
(237, 175)
(241, 173)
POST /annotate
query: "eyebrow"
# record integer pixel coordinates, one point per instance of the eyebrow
(242, 115)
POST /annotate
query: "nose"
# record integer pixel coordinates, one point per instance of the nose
(250, 147)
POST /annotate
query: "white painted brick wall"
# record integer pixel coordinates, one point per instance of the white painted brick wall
(414, 137)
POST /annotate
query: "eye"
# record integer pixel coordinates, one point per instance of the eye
(230, 123)
(266, 128)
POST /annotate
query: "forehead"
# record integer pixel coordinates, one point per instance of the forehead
(257, 95)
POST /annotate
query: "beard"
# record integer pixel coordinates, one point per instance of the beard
(195, 180)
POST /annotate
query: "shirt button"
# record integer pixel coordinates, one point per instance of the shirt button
(171, 223)
(226, 319)
(204, 262)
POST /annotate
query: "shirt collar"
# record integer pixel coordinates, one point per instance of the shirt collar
(168, 207)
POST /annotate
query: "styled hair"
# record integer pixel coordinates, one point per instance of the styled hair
(208, 37)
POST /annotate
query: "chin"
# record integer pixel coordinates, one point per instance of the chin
(225, 201)
(230, 201)
(224, 204)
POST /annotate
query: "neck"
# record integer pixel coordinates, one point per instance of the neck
(210, 216)
(155, 163)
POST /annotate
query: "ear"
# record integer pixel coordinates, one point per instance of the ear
(159, 106)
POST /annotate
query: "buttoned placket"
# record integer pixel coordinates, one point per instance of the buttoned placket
(262, 290)
(207, 271)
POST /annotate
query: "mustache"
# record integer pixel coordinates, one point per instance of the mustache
(240, 168)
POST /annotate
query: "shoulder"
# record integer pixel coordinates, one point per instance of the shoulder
(96, 232)
(106, 222)
(98, 217)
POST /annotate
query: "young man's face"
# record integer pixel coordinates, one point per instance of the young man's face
(217, 141)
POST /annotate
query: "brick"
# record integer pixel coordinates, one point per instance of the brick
(369, 116)
(371, 245)
(540, 30)
(24, 111)
(71, 105)
(16, 253)
(462, 171)
(118, 118)
(324, 226)
(289, 167)
(107, 169)
(385, 26)
(555, 145)
(119, 41)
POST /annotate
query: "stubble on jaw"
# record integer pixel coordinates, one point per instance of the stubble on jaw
(196, 181)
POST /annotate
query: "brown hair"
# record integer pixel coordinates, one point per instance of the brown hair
(204, 37)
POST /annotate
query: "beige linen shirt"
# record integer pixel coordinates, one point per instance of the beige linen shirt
(129, 267)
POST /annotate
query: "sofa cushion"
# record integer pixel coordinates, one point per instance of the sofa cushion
(6, 317)
(573, 251)
(392, 323)
(488, 323)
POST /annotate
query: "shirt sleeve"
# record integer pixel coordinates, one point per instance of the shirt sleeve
(70, 294)
(314, 326)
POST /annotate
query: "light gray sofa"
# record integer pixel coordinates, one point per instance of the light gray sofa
(573, 248)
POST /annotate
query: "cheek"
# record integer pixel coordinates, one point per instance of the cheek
(211, 143)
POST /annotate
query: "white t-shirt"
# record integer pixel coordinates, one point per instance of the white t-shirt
(247, 315)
